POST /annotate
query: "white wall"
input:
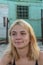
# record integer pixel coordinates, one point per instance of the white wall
(3, 13)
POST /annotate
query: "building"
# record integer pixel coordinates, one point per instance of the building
(29, 10)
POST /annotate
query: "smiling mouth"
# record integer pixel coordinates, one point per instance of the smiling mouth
(18, 42)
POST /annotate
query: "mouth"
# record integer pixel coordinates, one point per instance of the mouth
(18, 42)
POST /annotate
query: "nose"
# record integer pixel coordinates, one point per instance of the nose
(18, 37)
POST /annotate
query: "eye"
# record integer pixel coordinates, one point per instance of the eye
(13, 33)
(23, 33)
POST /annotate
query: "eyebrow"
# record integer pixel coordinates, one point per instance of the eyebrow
(14, 31)
(20, 31)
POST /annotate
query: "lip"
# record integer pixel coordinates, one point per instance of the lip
(18, 42)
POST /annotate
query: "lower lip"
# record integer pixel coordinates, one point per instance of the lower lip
(18, 42)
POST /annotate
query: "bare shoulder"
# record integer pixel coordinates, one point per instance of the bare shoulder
(40, 58)
(5, 59)
(41, 55)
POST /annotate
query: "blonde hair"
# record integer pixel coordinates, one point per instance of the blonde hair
(33, 52)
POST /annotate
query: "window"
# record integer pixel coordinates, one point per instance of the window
(22, 12)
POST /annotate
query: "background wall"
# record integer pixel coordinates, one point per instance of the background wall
(34, 12)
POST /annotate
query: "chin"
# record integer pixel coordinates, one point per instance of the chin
(20, 47)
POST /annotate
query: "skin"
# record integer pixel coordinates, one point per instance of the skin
(20, 40)
(19, 36)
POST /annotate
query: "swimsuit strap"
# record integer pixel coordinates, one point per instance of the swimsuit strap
(14, 63)
(36, 62)
(9, 63)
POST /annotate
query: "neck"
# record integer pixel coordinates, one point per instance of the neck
(23, 52)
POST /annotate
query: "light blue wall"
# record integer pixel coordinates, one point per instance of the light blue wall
(34, 14)
(12, 11)
(25, 0)
(35, 18)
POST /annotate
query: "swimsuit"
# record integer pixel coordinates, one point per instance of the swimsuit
(35, 63)
(15, 64)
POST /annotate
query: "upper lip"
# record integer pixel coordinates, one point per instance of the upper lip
(18, 42)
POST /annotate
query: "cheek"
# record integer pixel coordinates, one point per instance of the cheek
(27, 40)
(12, 39)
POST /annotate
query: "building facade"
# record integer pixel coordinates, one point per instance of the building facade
(29, 10)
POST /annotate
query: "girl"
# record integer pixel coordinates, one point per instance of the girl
(23, 48)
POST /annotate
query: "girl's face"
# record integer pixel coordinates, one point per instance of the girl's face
(19, 36)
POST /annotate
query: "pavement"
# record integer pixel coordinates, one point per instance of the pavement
(2, 49)
(4, 46)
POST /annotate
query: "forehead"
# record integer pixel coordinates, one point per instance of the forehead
(18, 28)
